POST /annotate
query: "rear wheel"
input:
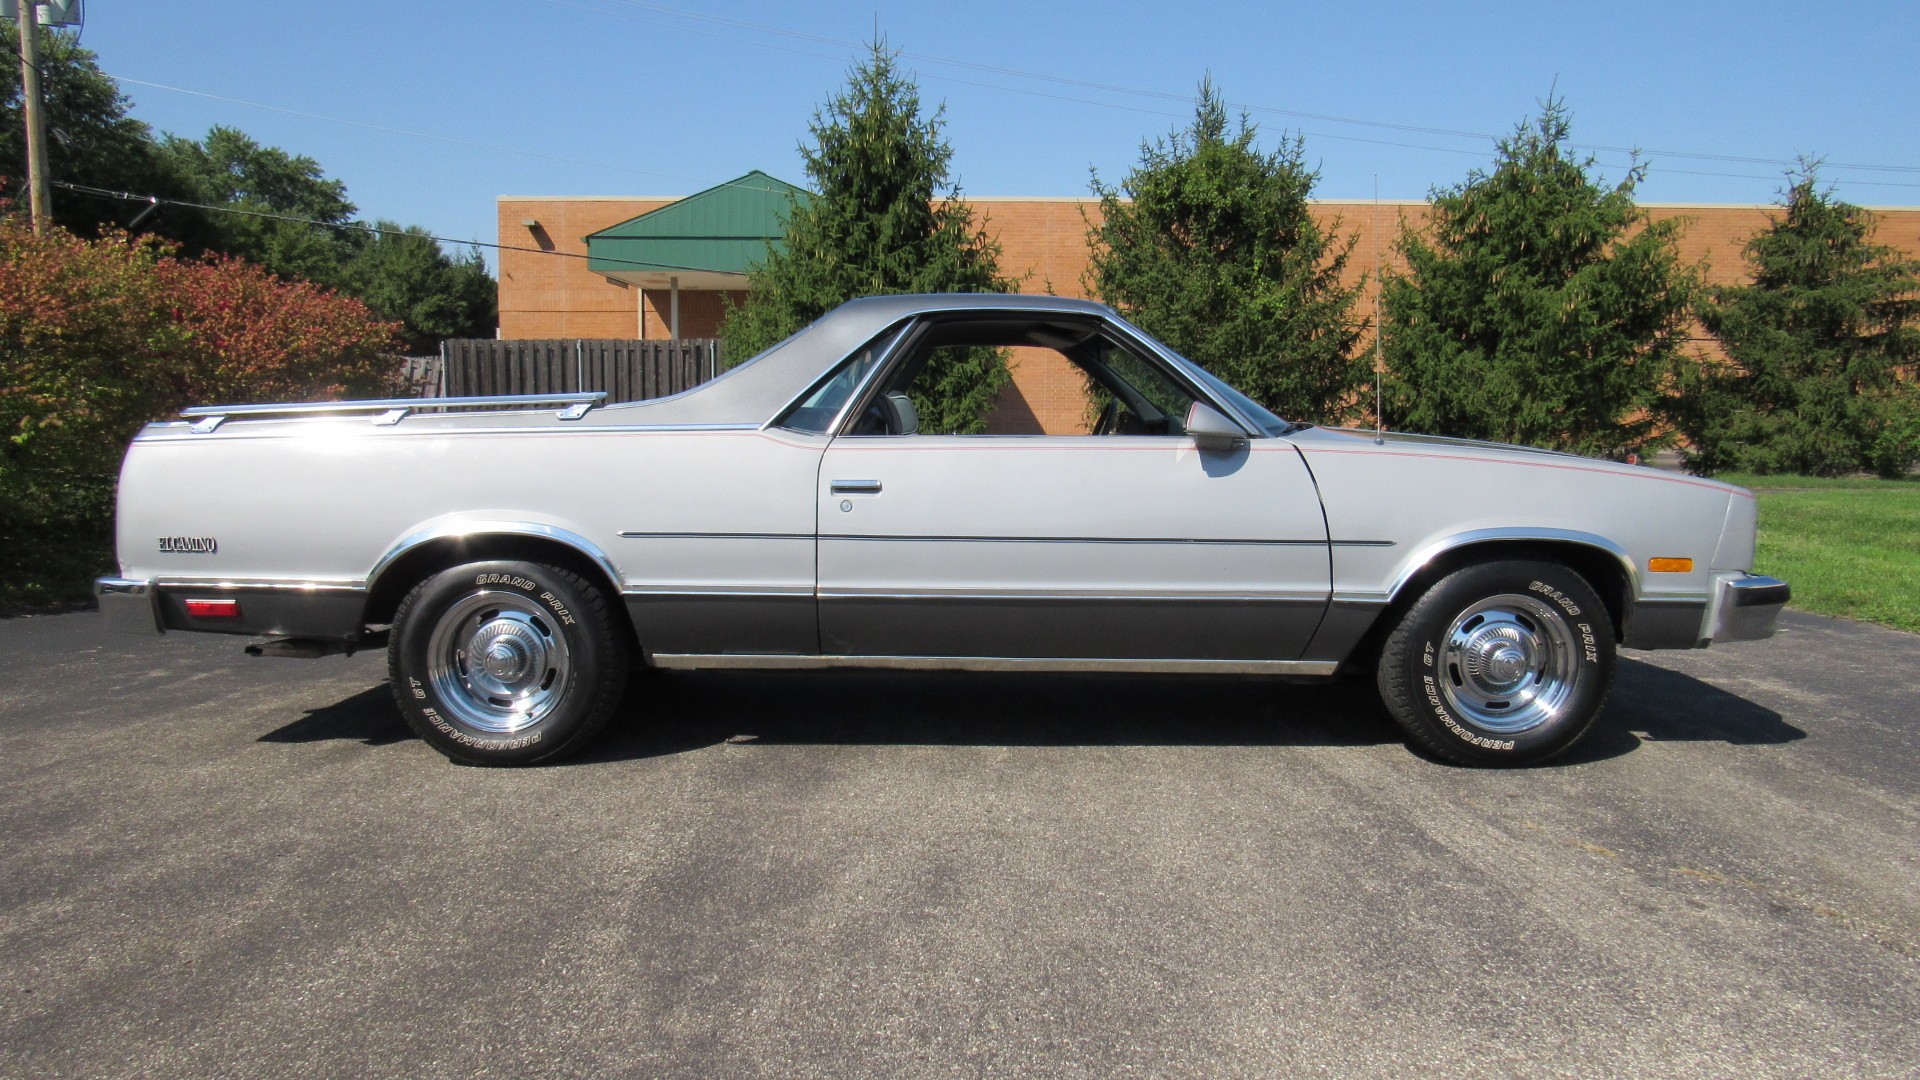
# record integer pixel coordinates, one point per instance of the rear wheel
(1500, 663)
(506, 663)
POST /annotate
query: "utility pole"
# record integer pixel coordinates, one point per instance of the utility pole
(38, 202)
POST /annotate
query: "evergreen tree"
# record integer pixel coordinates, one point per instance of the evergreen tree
(1209, 245)
(1814, 347)
(1539, 307)
(885, 218)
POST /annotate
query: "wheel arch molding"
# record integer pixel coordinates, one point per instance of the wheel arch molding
(452, 543)
(1605, 565)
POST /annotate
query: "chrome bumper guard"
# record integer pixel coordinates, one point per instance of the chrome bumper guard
(129, 606)
(1745, 607)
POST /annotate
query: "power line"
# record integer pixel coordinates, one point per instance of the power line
(1165, 96)
(354, 226)
(395, 131)
(1651, 167)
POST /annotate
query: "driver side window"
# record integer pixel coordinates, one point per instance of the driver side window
(1023, 375)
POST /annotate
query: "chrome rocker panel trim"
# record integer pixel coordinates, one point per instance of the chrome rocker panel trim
(782, 662)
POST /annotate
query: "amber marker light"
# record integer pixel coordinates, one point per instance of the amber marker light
(1670, 566)
(213, 609)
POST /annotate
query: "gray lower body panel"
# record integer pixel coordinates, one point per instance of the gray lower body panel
(1117, 628)
(678, 622)
(1666, 624)
(1346, 623)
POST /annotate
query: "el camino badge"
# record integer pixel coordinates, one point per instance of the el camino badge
(191, 545)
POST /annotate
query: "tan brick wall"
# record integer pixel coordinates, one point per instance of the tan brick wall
(1046, 397)
(544, 296)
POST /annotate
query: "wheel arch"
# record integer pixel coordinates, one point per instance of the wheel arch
(1604, 565)
(449, 544)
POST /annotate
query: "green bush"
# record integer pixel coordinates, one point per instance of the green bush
(97, 337)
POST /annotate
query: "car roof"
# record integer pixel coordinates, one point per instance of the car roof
(755, 391)
(901, 306)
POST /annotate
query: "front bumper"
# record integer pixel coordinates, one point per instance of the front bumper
(129, 605)
(1745, 607)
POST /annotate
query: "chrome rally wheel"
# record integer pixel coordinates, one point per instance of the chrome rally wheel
(1509, 664)
(497, 663)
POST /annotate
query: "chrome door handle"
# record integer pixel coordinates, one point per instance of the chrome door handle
(855, 487)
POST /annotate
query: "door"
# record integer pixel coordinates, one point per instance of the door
(1112, 536)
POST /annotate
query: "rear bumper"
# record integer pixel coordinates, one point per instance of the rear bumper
(304, 609)
(1745, 607)
(129, 605)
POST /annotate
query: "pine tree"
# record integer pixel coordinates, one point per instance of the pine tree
(1539, 307)
(1210, 245)
(1814, 350)
(885, 218)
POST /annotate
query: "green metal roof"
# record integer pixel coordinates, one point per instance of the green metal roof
(724, 229)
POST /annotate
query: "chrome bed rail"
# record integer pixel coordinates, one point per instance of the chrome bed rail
(392, 410)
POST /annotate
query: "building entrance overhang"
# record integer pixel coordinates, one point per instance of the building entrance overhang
(686, 279)
(709, 240)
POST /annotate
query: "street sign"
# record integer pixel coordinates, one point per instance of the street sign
(52, 12)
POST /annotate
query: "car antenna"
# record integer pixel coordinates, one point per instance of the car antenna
(1379, 312)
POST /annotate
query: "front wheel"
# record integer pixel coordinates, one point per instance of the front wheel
(506, 663)
(1500, 663)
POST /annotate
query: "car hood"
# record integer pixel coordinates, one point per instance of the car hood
(1394, 442)
(1407, 438)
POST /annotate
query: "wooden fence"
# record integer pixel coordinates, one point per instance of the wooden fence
(626, 370)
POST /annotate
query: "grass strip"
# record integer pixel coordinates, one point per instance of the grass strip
(1849, 546)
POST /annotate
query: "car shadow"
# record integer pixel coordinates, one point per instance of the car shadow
(368, 717)
(677, 712)
(1650, 703)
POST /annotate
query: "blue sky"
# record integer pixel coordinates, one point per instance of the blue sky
(612, 97)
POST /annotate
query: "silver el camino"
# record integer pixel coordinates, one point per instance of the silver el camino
(519, 557)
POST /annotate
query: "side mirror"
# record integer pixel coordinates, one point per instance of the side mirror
(1212, 431)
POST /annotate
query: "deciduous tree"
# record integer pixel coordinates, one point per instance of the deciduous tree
(403, 274)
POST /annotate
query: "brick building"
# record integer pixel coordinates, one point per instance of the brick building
(641, 270)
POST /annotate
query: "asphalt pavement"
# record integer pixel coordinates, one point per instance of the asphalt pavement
(213, 866)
